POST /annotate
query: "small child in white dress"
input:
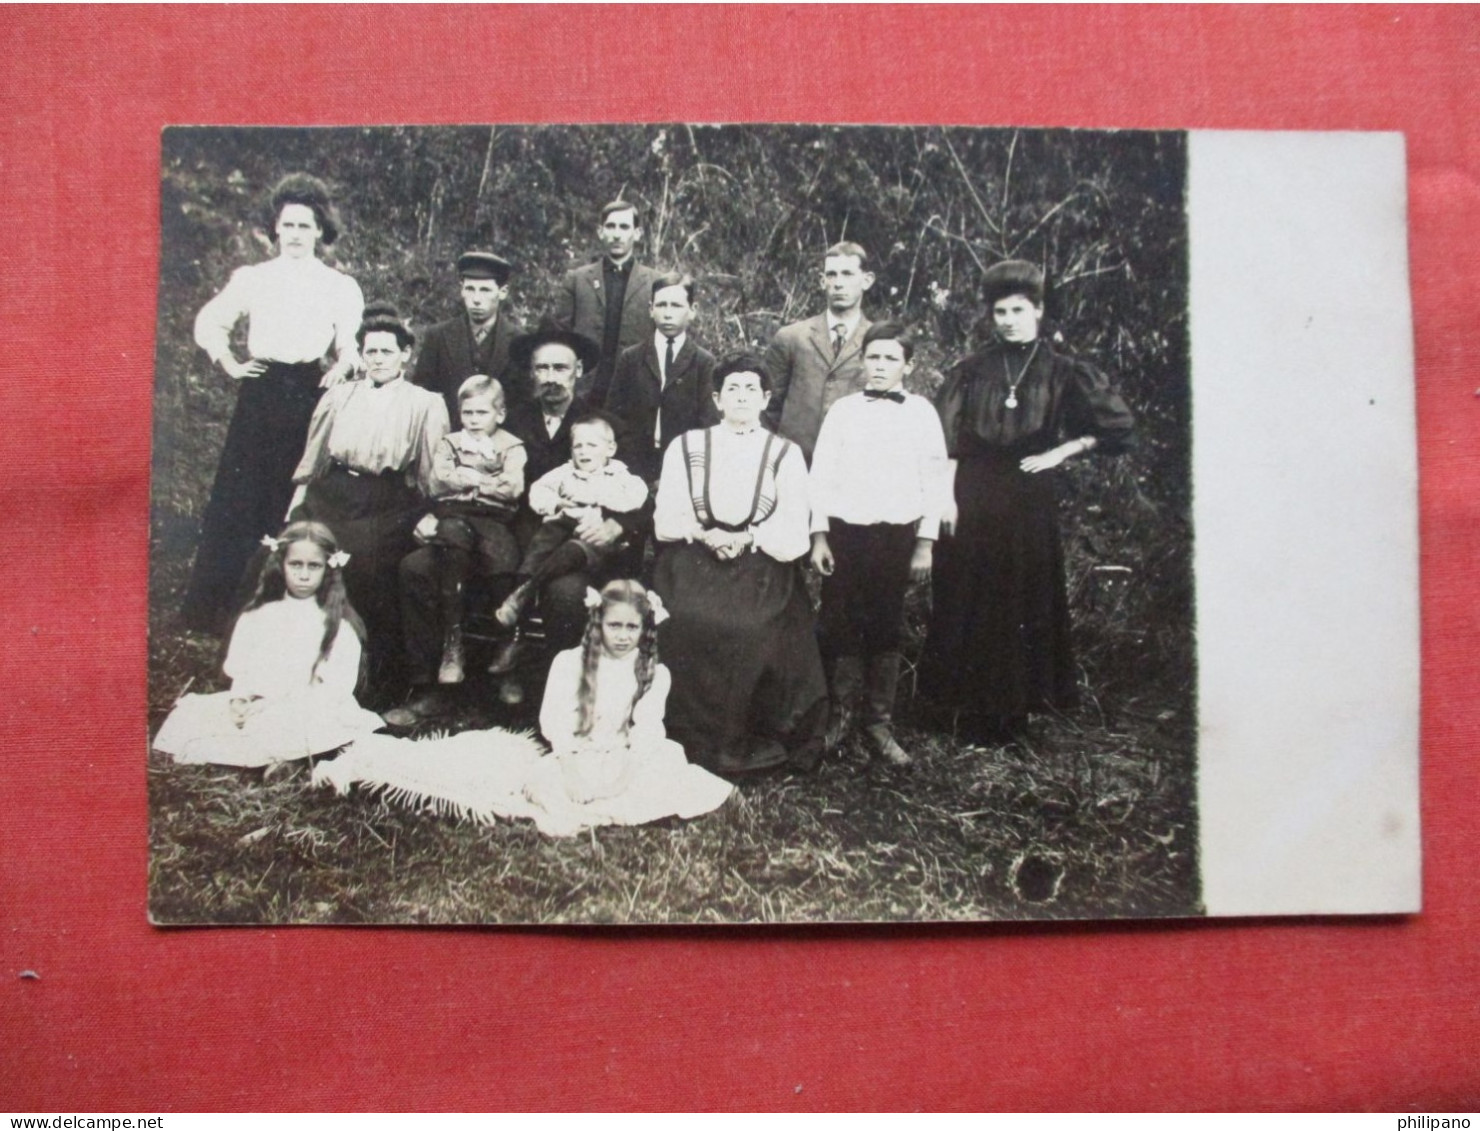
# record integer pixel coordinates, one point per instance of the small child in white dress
(294, 661)
(602, 714)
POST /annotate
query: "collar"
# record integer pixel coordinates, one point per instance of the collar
(660, 343)
(623, 268)
(849, 324)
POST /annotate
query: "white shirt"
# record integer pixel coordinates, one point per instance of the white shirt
(373, 428)
(274, 648)
(734, 463)
(616, 686)
(878, 461)
(296, 311)
(612, 487)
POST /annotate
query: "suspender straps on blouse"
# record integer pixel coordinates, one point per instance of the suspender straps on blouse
(762, 502)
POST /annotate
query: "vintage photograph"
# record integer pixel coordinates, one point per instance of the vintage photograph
(672, 524)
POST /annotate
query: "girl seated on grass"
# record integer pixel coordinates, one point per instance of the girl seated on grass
(294, 661)
(611, 763)
(603, 717)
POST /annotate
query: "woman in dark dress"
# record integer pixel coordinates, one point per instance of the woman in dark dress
(733, 522)
(366, 473)
(300, 312)
(998, 643)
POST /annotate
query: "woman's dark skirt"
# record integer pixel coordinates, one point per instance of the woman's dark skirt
(998, 643)
(748, 690)
(254, 484)
(372, 517)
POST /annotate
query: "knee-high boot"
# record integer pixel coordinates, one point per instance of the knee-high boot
(883, 681)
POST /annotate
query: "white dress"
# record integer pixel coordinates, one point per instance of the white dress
(620, 779)
(484, 775)
(293, 712)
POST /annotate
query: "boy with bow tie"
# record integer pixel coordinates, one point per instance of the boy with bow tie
(878, 485)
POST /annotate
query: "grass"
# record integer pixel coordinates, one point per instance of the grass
(1092, 817)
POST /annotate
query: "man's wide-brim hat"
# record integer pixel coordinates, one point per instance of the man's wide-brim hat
(484, 265)
(1013, 277)
(521, 349)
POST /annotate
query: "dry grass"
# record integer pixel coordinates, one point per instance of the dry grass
(1093, 817)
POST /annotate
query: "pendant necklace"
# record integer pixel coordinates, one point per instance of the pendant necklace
(1012, 386)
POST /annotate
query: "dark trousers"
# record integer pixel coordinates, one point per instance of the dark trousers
(863, 600)
(254, 483)
(433, 580)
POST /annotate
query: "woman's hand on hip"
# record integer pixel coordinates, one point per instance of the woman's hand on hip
(243, 370)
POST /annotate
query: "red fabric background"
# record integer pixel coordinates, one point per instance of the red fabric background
(1325, 1014)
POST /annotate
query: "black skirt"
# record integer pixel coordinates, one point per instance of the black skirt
(254, 484)
(740, 643)
(998, 642)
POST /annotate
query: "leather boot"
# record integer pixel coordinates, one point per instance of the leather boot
(507, 658)
(883, 680)
(844, 678)
(451, 670)
(512, 609)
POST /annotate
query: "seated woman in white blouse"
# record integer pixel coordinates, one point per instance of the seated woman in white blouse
(365, 473)
(733, 522)
(300, 313)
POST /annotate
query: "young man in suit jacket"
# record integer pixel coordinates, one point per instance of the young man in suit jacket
(477, 340)
(607, 301)
(815, 362)
(660, 388)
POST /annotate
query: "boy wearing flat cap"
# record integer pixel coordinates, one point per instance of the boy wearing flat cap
(475, 341)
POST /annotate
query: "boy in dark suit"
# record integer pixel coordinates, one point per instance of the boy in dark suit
(815, 362)
(607, 301)
(477, 340)
(660, 388)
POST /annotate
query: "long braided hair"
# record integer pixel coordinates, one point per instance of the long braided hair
(332, 596)
(616, 593)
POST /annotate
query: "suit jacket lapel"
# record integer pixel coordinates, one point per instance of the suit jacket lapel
(854, 344)
(638, 282)
(593, 277)
(464, 346)
(817, 334)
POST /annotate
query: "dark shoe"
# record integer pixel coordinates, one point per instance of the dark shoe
(428, 705)
(762, 755)
(509, 653)
(451, 670)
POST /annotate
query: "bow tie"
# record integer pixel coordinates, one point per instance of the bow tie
(884, 395)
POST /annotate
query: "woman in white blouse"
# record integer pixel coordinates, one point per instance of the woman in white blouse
(301, 320)
(365, 473)
(732, 520)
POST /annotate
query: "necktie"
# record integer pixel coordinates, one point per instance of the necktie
(481, 332)
(667, 361)
(840, 335)
(884, 395)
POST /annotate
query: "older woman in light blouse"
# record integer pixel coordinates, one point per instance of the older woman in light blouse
(733, 523)
(366, 472)
(300, 313)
